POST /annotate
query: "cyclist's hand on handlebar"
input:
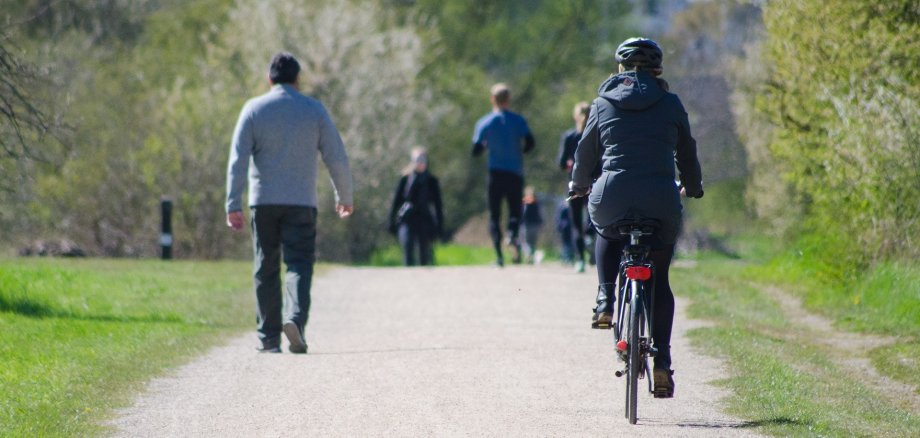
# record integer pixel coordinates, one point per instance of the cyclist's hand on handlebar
(683, 191)
(577, 192)
(692, 194)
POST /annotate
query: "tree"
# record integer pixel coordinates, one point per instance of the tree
(24, 123)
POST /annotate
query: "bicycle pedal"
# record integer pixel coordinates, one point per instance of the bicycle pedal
(601, 326)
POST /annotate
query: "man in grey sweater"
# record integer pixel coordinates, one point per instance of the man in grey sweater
(277, 140)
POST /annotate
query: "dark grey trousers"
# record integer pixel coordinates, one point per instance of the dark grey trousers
(289, 232)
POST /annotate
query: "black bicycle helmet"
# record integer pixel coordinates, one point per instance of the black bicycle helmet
(639, 52)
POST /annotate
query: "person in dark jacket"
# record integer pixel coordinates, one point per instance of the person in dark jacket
(567, 145)
(416, 215)
(638, 130)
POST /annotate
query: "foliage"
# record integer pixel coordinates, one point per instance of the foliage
(152, 89)
(552, 53)
(843, 99)
(79, 336)
(700, 47)
(365, 70)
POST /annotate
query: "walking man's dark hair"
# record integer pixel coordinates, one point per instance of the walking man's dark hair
(283, 69)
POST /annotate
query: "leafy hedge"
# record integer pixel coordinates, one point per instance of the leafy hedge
(843, 97)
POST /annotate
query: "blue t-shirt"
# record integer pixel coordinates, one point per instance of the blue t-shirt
(502, 133)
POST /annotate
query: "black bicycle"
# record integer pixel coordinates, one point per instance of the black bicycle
(635, 286)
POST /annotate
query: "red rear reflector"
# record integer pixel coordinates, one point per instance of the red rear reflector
(622, 345)
(638, 273)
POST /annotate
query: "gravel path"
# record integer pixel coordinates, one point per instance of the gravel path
(447, 352)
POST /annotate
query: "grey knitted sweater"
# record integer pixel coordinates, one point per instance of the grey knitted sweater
(277, 140)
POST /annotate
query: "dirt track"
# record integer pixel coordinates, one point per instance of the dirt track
(445, 351)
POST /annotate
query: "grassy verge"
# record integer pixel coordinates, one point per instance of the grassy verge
(781, 379)
(80, 336)
(882, 300)
(444, 255)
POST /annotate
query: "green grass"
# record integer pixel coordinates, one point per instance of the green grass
(444, 255)
(900, 361)
(884, 299)
(720, 210)
(781, 379)
(80, 336)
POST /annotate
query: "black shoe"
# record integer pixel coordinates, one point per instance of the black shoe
(603, 313)
(292, 332)
(664, 383)
(516, 254)
(269, 348)
(602, 320)
(500, 262)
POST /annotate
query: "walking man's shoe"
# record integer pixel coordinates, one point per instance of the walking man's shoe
(292, 332)
(270, 347)
(664, 383)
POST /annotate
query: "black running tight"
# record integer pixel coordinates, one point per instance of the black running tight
(608, 253)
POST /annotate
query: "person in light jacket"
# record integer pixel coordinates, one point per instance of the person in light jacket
(277, 140)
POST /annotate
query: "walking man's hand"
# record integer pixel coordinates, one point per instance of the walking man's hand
(235, 220)
(344, 210)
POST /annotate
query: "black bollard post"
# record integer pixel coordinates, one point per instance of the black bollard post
(166, 238)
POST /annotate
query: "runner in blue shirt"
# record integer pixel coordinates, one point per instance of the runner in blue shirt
(507, 137)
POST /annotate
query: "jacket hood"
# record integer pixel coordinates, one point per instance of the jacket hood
(632, 90)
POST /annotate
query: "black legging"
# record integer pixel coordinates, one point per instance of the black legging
(412, 238)
(608, 253)
(504, 186)
(576, 214)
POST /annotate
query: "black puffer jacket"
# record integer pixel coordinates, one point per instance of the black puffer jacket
(637, 130)
(420, 195)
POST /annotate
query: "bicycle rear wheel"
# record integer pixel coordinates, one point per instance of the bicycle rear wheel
(633, 365)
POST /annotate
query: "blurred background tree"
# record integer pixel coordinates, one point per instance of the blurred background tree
(839, 96)
(806, 116)
(153, 88)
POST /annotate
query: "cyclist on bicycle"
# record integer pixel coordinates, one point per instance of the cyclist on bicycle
(638, 131)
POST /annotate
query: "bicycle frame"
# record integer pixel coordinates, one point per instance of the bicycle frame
(635, 285)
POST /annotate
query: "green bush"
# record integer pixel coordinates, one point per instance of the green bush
(843, 97)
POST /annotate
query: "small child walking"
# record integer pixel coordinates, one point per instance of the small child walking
(533, 222)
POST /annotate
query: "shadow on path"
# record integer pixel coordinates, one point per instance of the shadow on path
(32, 308)
(717, 424)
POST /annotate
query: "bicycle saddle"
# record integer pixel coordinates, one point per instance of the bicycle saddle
(644, 225)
